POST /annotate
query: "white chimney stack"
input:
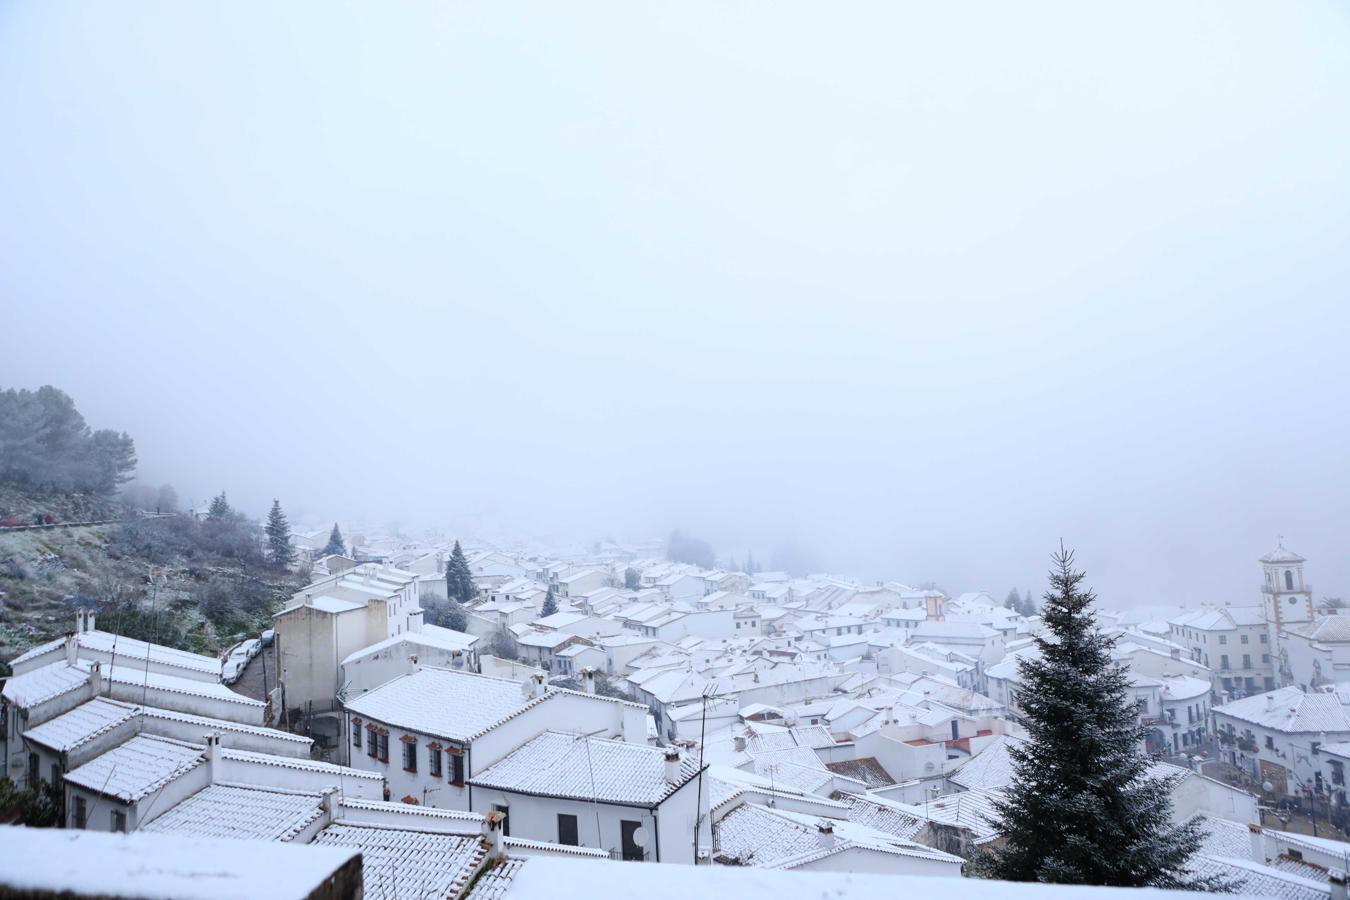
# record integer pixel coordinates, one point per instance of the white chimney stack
(330, 801)
(212, 758)
(588, 680)
(672, 766)
(825, 832)
(1336, 880)
(1270, 701)
(533, 687)
(739, 743)
(72, 648)
(95, 678)
(492, 833)
(1258, 847)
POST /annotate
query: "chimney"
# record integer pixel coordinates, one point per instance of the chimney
(588, 680)
(1336, 881)
(79, 621)
(672, 766)
(72, 648)
(492, 834)
(330, 800)
(88, 620)
(96, 678)
(739, 743)
(212, 758)
(532, 687)
(456, 659)
(1270, 700)
(413, 665)
(825, 834)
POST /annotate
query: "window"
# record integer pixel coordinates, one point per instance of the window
(81, 813)
(119, 821)
(1143, 705)
(1223, 661)
(1246, 660)
(384, 746)
(628, 838)
(567, 830)
(1223, 639)
(1265, 638)
(434, 760)
(1270, 742)
(506, 818)
(1265, 657)
(456, 768)
(373, 742)
(409, 755)
(1288, 581)
(1244, 638)
(356, 733)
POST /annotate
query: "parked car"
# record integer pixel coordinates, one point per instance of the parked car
(268, 637)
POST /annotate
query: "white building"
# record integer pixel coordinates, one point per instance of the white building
(633, 801)
(333, 618)
(430, 731)
(1277, 736)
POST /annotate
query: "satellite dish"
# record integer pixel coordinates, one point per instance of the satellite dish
(640, 836)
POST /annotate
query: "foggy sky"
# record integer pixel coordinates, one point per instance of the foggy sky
(918, 288)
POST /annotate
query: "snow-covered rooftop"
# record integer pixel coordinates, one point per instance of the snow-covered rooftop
(54, 862)
(137, 768)
(399, 863)
(455, 705)
(556, 764)
(1290, 710)
(240, 811)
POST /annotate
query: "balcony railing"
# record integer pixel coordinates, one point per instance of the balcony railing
(1275, 589)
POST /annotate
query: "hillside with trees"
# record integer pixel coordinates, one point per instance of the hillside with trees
(201, 585)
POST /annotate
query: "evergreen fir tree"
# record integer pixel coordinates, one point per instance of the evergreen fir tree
(632, 580)
(219, 507)
(1028, 604)
(459, 584)
(279, 546)
(1080, 809)
(1014, 601)
(550, 604)
(335, 546)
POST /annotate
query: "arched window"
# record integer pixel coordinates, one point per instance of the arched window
(1288, 580)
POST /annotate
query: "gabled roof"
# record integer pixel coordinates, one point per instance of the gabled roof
(83, 723)
(990, 769)
(1290, 710)
(399, 863)
(46, 683)
(556, 764)
(1325, 629)
(456, 705)
(129, 649)
(430, 636)
(766, 837)
(137, 768)
(240, 811)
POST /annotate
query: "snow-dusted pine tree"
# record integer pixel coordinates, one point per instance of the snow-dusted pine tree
(550, 604)
(459, 584)
(335, 544)
(279, 546)
(219, 508)
(1081, 808)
